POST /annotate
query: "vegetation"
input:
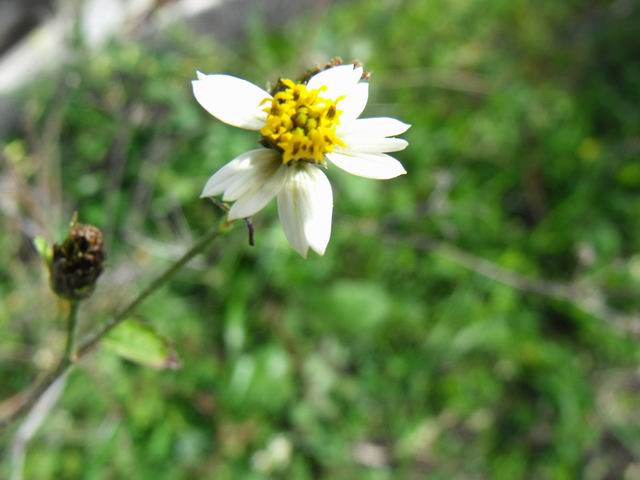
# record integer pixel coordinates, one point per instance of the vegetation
(476, 318)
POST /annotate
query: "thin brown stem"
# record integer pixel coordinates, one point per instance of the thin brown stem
(93, 338)
(586, 298)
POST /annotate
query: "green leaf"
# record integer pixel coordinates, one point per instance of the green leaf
(141, 344)
(44, 249)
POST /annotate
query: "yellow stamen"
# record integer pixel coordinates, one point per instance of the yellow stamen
(302, 123)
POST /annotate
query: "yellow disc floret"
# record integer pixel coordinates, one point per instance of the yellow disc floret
(302, 123)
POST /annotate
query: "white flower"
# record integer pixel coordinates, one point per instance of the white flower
(302, 126)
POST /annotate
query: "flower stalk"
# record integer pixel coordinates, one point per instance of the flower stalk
(72, 327)
(93, 339)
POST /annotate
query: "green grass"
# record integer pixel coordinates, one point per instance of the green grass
(399, 354)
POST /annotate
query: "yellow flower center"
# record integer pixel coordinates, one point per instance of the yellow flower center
(302, 123)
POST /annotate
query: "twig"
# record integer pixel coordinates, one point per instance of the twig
(32, 423)
(588, 300)
(93, 338)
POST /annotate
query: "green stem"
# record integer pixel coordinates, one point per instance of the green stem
(91, 340)
(72, 326)
(94, 337)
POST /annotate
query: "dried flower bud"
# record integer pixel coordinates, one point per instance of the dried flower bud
(77, 262)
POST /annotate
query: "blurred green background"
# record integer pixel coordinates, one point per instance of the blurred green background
(476, 318)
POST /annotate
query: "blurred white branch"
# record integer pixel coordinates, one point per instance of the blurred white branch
(32, 424)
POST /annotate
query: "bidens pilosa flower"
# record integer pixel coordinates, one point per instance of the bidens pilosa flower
(303, 125)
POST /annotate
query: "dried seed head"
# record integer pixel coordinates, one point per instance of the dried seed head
(77, 262)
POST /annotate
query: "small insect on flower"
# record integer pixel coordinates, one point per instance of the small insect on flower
(304, 125)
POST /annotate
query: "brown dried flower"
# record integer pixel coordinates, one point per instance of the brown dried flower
(77, 262)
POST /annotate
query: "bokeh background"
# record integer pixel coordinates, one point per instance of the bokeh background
(477, 318)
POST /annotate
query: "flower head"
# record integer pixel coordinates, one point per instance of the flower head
(301, 123)
(77, 262)
(304, 125)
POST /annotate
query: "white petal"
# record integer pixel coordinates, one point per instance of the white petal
(231, 100)
(380, 127)
(305, 206)
(262, 164)
(369, 165)
(239, 167)
(352, 105)
(266, 185)
(372, 144)
(338, 80)
(242, 183)
(317, 228)
(290, 211)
